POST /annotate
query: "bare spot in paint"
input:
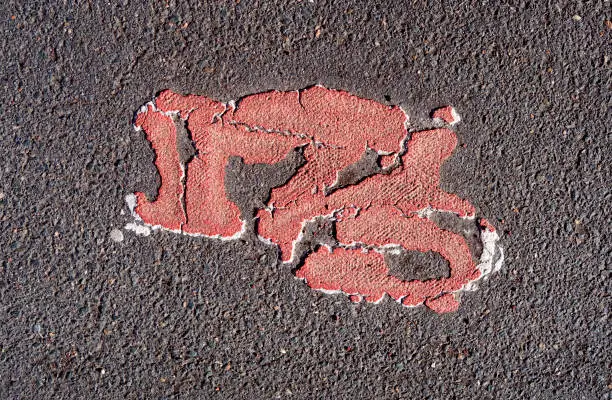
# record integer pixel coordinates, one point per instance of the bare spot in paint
(249, 185)
(416, 265)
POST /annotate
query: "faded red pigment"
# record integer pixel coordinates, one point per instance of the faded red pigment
(335, 127)
(445, 114)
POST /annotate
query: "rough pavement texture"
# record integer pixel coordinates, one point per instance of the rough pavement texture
(169, 316)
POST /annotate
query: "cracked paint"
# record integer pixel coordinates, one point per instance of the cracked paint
(334, 180)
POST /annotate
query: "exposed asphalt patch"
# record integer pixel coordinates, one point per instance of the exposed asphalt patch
(368, 165)
(173, 316)
(249, 185)
(468, 228)
(416, 265)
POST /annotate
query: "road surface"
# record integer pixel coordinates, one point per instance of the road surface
(91, 310)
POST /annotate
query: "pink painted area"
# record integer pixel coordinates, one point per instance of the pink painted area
(443, 304)
(336, 128)
(350, 271)
(354, 298)
(411, 188)
(385, 225)
(342, 123)
(168, 101)
(166, 210)
(208, 209)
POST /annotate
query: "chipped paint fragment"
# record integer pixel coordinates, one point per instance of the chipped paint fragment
(334, 180)
(447, 114)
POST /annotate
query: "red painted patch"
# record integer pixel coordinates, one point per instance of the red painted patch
(410, 189)
(446, 114)
(166, 210)
(208, 209)
(354, 271)
(355, 298)
(336, 127)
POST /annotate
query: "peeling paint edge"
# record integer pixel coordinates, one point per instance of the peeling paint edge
(141, 228)
(488, 264)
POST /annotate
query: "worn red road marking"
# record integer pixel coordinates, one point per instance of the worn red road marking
(335, 128)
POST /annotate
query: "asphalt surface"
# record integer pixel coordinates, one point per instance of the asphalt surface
(169, 316)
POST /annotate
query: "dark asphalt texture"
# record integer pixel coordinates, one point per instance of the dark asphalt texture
(176, 317)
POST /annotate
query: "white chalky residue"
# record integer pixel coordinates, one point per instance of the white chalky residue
(131, 200)
(139, 229)
(328, 291)
(456, 116)
(486, 265)
(116, 235)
